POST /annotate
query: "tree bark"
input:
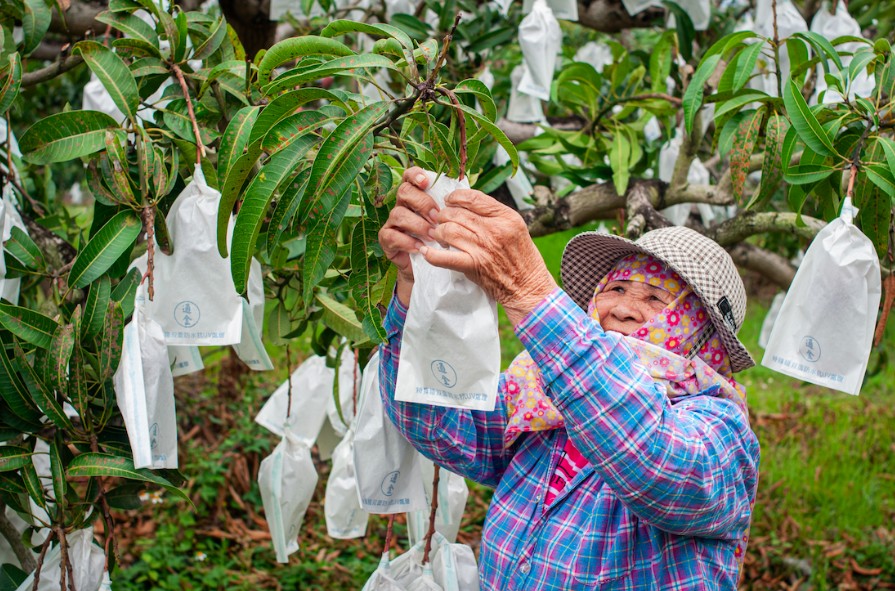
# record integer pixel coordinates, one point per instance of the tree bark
(79, 19)
(250, 19)
(610, 16)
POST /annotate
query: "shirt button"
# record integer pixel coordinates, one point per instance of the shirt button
(538, 498)
(524, 568)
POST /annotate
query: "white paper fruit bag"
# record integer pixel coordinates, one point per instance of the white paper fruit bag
(9, 286)
(287, 479)
(540, 39)
(250, 349)
(87, 560)
(824, 331)
(345, 519)
(833, 26)
(450, 352)
(311, 389)
(387, 467)
(195, 301)
(564, 9)
(144, 388)
(521, 107)
(452, 495)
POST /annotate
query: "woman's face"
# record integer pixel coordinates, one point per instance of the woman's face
(625, 306)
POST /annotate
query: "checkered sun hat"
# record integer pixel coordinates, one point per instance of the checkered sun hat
(700, 261)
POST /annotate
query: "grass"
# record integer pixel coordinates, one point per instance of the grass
(825, 516)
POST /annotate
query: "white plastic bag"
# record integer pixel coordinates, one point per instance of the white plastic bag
(770, 318)
(280, 8)
(345, 519)
(144, 388)
(195, 301)
(287, 479)
(87, 562)
(97, 98)
(250, 348)
(387, 467)
(523, 108)
(824, 332)
(637, 6)
(519, 186)
(450, 352)
(599, 55)
(382, 579)
(833, 26)
(564, 9)
(540, 40)
(452, 495)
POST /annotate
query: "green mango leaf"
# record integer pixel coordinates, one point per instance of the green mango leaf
(232, 67)
(323, 224)
(364, 276)
(22, 247)
(106, 246)
(43, 397)
(100, 464)
(236, 138)
(66, 136)
(33, 485)
(287, 205)
(111, 341)
(13, 458)
(341, 319)
(125, 497)
(478, 89)
(11, 85)
(620, 160)
(804, 174)
(213, 42)
(804, 121)
(822, 46)
(495, 132)
(125, 291)
(30, 326)
(296, 47)
(741, 152)
(258, 195)
(35, 24)
(888, 146)
(57, 470)
(745, 66)
(380, 30)
(287, 104)
(14, 392)
(60, 353)
(353, 65)
(881, 177)
(692, 100)
(772, 164)
(135, 28)
(115, 76)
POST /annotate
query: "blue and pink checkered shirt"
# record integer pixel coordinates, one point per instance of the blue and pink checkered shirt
(668, 492)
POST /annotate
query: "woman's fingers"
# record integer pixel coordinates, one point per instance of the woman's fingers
(456, 260)
(476, 202)
(457, 235)
(413, 198)
(408, 221)
(416, 176)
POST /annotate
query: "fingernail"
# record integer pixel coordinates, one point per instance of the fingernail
(420, 179)
(433, 213)
(432, 234)
(424, 250)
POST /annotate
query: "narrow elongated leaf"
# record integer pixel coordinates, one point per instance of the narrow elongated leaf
(323, 222)
(821, 45)
(236, 138)
(257, 201)
(33, 485)
(35, 24)
(363, 279)
(340, 27)
(296, 47)
(287, 205)
(66, 136)
(125, 291)
(13, 458)
(60, 354)
(772, 164)
(804, 121)
(113, 73)
(341, 319)
(133, 27)
(804, 174)
(478, 89)
(882, 178)
(111, 341)
(106, 246)
(22, 247)
(14, 391)
(57, 470)
(692, 100)
(888, 146)
(233, 67)
(230, 192)
(741, 153)
(746, 65)
(337, 164)
(620, 160)
(11, 84)
(738, 101)
(30, 326)
(43, 397)
(353, 65)
(77, 385)
(100, 464)
(213, 42)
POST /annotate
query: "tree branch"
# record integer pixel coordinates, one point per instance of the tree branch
(12, 535)
(519, 132)
(769, 264)
(79, 19)
(55, 69)
(751, 223)
(610, 16)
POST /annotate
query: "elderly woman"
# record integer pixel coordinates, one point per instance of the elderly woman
(620, 450)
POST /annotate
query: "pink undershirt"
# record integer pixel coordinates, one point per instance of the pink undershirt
(571, 463)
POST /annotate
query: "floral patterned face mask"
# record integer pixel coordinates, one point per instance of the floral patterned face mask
(679, 347)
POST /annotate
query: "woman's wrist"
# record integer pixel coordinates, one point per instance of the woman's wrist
(520, 307)
(403, 289)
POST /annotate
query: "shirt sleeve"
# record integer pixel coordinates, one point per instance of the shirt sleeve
(467, 442)
(688, 468)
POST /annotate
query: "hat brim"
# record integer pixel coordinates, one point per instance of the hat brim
(589, 256)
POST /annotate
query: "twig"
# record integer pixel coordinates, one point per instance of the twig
(40, 560)
(640, 97)
(888, 297)
(431, 532)
(354, 386)
(9, 531)
(461, 123)
(149, 226)
(777, 50)
(289, 382)
(200, 147)
(51, 71)
(402, 106)
(38, 209)
(442, 58)
(389, 529)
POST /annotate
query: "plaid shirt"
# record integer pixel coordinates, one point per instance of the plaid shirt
(666, 497)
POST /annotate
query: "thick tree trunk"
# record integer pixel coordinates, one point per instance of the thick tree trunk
(249, 18)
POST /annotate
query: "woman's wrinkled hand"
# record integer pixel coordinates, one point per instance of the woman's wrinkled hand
(493, 248)
(409, 222)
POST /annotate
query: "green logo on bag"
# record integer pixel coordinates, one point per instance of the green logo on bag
(810, 349)
(186, 314)
(444, 373)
